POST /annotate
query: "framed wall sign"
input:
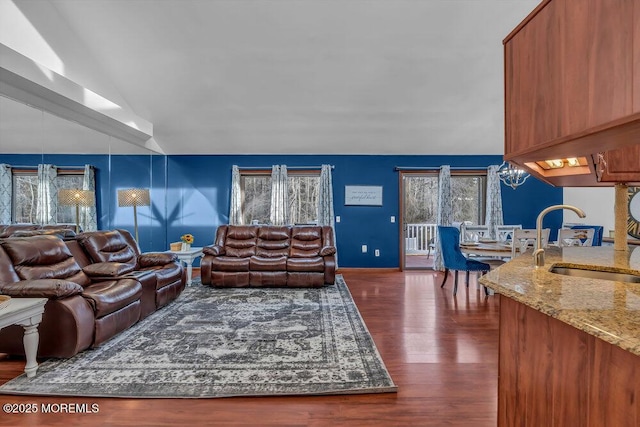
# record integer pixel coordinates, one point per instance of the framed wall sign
(363, 195)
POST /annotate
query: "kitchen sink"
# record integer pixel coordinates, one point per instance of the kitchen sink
(595, 274)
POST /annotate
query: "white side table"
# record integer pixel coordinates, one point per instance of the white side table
(188, 257)
(26, 312)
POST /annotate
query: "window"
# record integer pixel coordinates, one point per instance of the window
(256, 192)
(421, 197)
(303, 196)
(468, 196)
(25, 194)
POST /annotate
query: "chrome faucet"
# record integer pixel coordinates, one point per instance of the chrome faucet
(538, 254)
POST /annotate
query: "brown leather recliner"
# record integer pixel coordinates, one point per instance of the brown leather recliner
(80, 313)
(115, 253)
(292, 256)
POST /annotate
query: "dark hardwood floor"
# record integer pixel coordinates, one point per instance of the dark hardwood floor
(441, 351)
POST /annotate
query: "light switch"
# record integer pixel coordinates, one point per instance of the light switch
(393, 218)
(337, 218)
(364, 249)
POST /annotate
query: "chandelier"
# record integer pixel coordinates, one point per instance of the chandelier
(511, 175)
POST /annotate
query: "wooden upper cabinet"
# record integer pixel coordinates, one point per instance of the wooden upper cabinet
(572, 81)
(533, 80)
(622, 165)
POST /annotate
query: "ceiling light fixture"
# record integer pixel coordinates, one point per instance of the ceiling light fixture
(555, 164)
(511, 175)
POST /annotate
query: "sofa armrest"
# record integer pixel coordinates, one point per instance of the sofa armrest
(152, 259)
(328, 250)
(41, 288)
(107, 269)
(214, 250)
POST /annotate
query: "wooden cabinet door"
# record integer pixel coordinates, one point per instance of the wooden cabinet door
(533, 81)
(622, 165)
(569, 69)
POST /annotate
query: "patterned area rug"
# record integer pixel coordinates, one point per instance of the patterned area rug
(228, 342)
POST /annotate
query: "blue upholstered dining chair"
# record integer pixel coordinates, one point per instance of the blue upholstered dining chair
(454, 259)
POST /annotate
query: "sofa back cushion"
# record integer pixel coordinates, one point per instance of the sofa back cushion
(108, 246)
(273, 241)
(306, 241)
(240, 241)
(9, 229)
(43, 257)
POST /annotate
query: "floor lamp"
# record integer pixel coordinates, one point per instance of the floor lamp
(134, 197)
(77, 198)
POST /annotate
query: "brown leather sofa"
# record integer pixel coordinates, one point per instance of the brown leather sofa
(115, 253)
(89, 301)
(266, 255)
(80, 313)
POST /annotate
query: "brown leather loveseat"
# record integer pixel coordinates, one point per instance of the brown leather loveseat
(91, 299)
(267, 255)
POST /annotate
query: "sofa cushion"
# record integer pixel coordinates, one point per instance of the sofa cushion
(240, 241)
(41, 288)
(43, 257)
(108, 246)
(112, 295)
(241, 252)
(107, 269)
(305, 242)
(273, 242)
(225, 263)
(7, 272)
(311, 264)
(166, 274)
(258, 263)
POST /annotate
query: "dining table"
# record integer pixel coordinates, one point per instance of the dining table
(487, 249)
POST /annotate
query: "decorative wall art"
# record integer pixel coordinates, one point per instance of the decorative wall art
(363, 195)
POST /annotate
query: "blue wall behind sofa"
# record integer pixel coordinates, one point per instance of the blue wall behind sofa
(190, 194)
(198, 193)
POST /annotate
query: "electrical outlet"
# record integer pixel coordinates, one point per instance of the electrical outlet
(364, 249)
(337, 218)
(393, 219)
(377, 252)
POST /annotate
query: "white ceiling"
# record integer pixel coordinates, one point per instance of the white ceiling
(292, 76)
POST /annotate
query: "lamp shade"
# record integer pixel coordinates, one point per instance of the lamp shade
(73, 197)
(134, 197)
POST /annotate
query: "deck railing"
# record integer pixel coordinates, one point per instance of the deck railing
(418, 237)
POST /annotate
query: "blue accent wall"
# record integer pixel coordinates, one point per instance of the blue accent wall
(190, 194)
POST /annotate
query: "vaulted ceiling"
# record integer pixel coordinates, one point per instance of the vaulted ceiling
(285, 76)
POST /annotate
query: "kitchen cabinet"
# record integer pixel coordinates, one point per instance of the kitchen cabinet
(621, 165)
(551, 373)
(572, 89)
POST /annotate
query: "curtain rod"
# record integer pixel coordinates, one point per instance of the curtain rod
(288, 167)
(419, 168)
(36, 166)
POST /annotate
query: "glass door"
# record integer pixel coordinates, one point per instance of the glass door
(419, 209)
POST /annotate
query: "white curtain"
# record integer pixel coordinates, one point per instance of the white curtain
(235, 210)
(88, 214)
(47, 194)
(493, 213)
(445, 211)
(6, 187)
(279, 195)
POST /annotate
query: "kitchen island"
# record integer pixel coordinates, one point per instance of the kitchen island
(569, 346)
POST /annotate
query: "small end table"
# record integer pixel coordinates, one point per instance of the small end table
(188, 257)
(26, 312)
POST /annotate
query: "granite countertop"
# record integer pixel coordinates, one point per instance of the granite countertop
(606, 309)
